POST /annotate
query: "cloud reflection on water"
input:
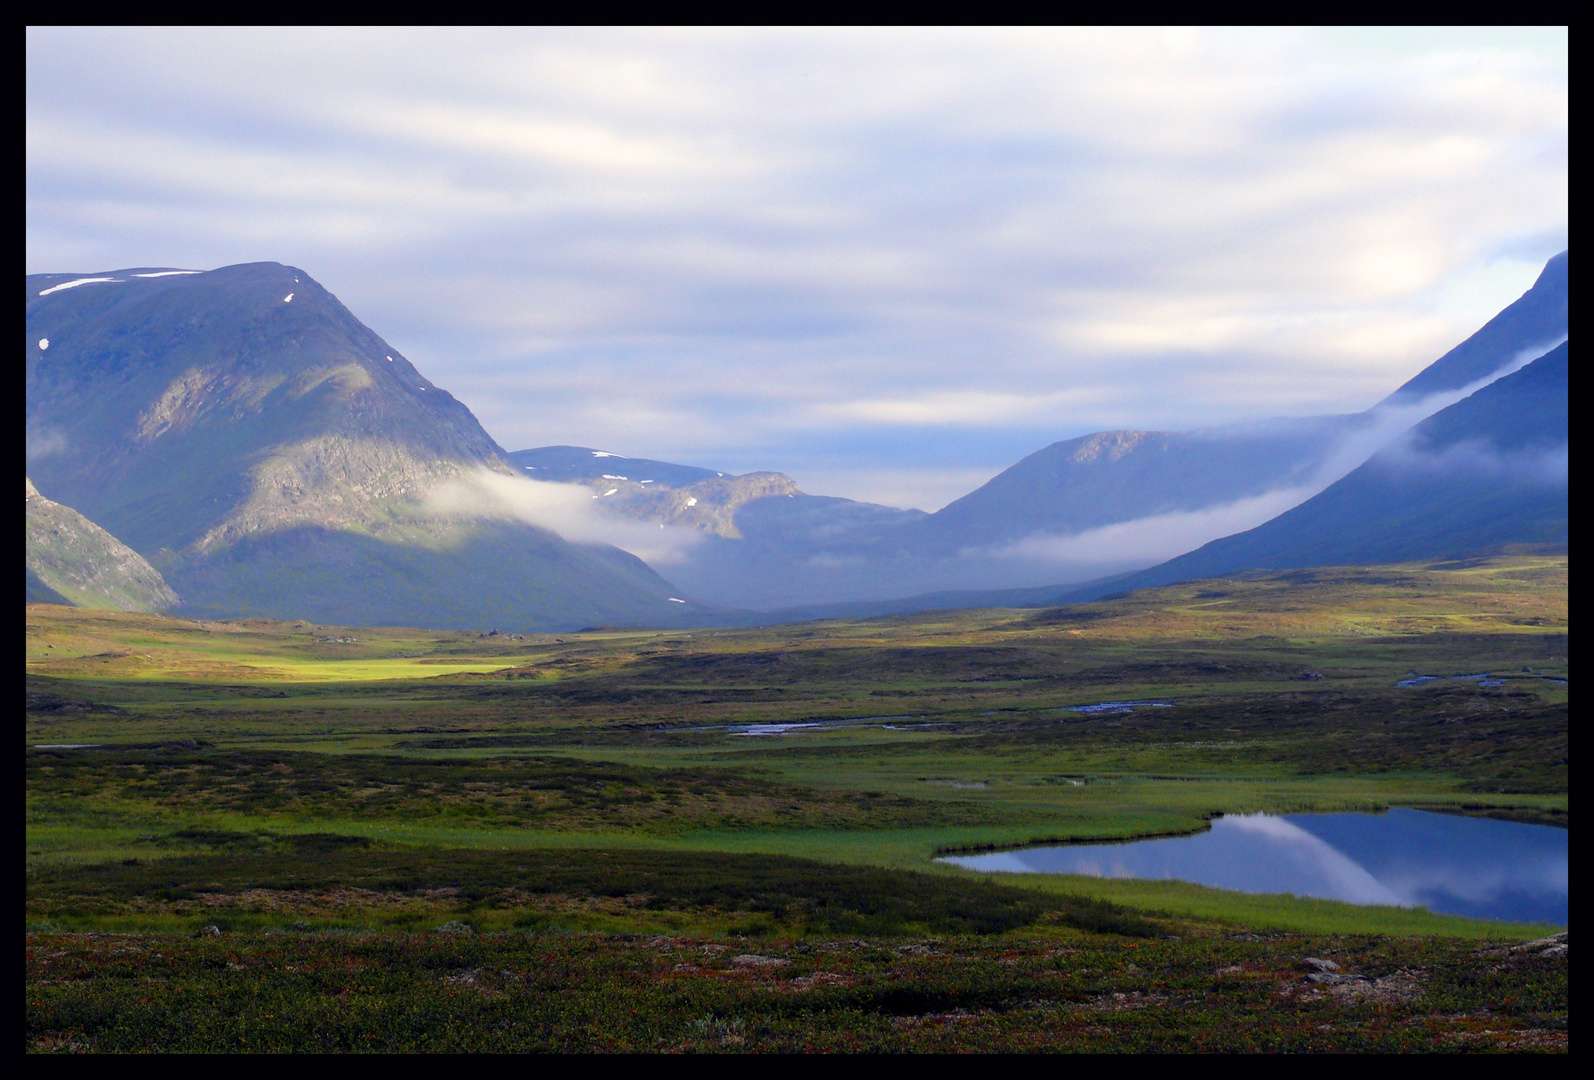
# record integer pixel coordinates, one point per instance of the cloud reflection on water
(1455, 865)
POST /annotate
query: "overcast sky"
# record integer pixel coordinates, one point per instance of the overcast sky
(887, 263)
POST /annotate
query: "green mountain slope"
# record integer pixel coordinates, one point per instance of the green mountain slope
(272, 455)
(71, 560)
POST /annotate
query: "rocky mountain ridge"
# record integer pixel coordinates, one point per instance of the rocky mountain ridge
(71, 560)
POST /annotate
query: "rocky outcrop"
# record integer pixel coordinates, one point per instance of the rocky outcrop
(70, 559)
(707, 505)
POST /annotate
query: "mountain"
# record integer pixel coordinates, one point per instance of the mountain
(654, 491)
(1119, 476)
(1116, 476)
(268, 454)
(271, 455)
(768, 545)
(761, 541)
(1488, 471)
(578, 464)
(1105, 504)
(71, 560)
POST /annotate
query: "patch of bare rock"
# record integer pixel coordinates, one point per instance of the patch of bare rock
(1321, 974)
(754, 960)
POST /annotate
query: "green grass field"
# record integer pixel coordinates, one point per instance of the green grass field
(315, 789)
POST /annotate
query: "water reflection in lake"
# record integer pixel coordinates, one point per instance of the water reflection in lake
(1455, 865)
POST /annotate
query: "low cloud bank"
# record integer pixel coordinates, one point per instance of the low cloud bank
(1148, 540)
(1481, 460)
(567, 509)
(1388, 424)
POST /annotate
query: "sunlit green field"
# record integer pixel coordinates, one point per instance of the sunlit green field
(165, 755)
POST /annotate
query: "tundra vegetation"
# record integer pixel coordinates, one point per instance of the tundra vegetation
(261, 835)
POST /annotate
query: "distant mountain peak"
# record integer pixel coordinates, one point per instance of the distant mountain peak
(1108, 445)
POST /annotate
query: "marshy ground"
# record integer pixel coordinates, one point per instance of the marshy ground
(247, 835)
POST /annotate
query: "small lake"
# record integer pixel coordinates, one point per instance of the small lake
(1455, 865)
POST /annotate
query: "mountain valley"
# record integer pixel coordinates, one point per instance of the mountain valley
(267, 454)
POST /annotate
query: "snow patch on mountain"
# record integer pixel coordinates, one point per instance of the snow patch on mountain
(74, 283)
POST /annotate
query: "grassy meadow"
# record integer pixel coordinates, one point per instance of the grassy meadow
(368, 828)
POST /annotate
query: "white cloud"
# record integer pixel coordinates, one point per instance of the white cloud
(729, 242)
(970, 407)
(1388, 421)
(1148, 540)
(567, 509)
(1481, 459)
